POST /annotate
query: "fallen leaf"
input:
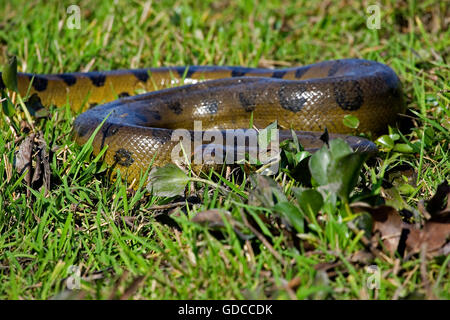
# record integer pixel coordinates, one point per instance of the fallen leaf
(434, 234)
(33, 150)
(23, 160)
(403, 237)
(23, 155)
(363, 257)
(214, 219)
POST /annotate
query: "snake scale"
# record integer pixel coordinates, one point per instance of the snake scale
(138, 128)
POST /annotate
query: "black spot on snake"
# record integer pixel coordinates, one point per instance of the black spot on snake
(300, 72)
(123, 94)
(247, 101)
(393, 85)
(348, 94)
(141, 74)
(239, 72)
(123, 157)
(185, 72)
(39, 83)
(34, 102)
(69, 79)
(155, 115)
(98, 79)
(291, 98)
(279, 74)
(175, 106)
(2, 85)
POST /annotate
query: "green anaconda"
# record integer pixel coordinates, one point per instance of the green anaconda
(139, 128)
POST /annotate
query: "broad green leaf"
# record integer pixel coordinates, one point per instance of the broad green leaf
(428, 136)
(385, 142)
(321, 160)
(318, 165)
(8, 107)
(429, 132)
(292, 214)
(9, 74)
(394, 136)
(168, 181)
(403, 148)
(406, 189)
(339, 148)
(300, 156)
(394, 199)
(309, 200)
(344, 172)
(351, 121)
(337, 169)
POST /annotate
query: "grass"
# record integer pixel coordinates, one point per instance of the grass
(128, 244)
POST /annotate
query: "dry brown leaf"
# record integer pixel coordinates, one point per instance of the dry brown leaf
(403, 237)
(214, 218)
(23, 156)
(434, 234)
(362, 257)
(386, 221)
(33, 150)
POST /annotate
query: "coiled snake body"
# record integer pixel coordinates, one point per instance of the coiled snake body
(139, 127)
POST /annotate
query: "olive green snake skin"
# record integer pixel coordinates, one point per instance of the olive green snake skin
(139, 128)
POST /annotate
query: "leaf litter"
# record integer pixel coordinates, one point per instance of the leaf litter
(408, 238)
